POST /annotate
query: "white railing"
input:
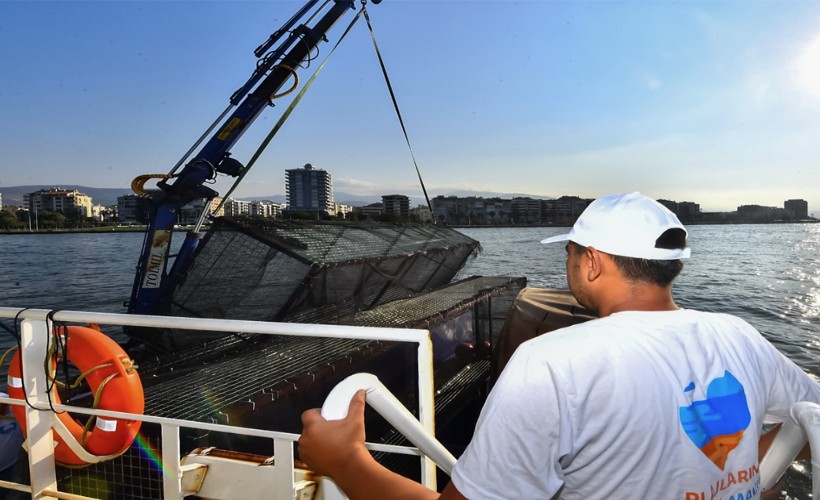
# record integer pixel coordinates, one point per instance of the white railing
(35, 334)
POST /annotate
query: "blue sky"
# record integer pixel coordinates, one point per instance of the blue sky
(716, 102)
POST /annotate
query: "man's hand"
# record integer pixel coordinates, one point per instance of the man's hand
(329, 447)
(335, 448)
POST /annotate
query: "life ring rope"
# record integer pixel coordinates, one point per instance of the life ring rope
(127, 363)
(97, 395)
(5, 354)
(112, 377)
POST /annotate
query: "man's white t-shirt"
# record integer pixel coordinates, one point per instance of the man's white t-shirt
(665, 404)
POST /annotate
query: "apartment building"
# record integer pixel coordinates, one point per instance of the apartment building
(309, 189)
(64, 201)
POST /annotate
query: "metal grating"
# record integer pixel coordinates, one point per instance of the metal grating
(430, 309)
(262, 367)
(137, 474)
(210, 393)
(310, 271)
(266, 382)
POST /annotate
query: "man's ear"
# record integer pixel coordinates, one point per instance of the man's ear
(594, 264)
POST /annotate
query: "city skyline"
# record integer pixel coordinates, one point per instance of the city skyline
(712, 102)
(370, 199)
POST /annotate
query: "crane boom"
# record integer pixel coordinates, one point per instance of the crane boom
(153, 283)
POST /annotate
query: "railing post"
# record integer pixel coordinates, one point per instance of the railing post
(283, 468)
(35, 339)
(171, 471)
(427, 412)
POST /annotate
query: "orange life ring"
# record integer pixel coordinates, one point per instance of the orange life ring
(107, 367)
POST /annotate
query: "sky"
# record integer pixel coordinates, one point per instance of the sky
(715, 102)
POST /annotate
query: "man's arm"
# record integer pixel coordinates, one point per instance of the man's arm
(766, 441)
(335, 448)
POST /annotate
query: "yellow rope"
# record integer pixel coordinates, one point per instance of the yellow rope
(5, 354)
(295, 81)
(97, 397)
(79, 380)
(129, 366)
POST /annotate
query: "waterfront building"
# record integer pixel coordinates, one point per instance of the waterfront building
(309, 189)
(343, 211)
(469, 210)
(526, 210)
(687, 211)
(191, 213)
(64, 201)
(104, 213)
(421, 213)
(133, 209)
(372, 210)
(798, 208)
(266, 208)
(498, 210)
(237, 207)
(758, 213)
(396, 204)
(565, 210)
(445, 209)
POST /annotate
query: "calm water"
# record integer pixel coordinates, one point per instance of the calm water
(767, 274)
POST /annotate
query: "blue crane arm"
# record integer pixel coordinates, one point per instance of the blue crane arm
(153, 283)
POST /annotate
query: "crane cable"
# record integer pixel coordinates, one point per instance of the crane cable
(284, 117)
(396, 107)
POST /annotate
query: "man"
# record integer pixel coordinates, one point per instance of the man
(648, 401)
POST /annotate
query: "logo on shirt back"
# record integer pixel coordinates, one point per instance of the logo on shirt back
(716, 424)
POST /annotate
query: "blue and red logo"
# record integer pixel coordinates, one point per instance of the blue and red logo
(716, 424)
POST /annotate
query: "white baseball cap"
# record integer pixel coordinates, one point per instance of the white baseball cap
(628, 225)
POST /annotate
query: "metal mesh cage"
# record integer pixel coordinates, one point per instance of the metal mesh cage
(267, 381)
(312, 271)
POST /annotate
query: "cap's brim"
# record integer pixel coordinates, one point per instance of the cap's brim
(553, 239)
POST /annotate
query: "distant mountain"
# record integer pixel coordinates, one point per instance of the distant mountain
(490, 194)
(13, 195)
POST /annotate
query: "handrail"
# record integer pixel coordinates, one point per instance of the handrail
(386, 404)
(35, 337)
(803, 426)
(223, 325)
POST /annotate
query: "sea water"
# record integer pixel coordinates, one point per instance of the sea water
(768, 274)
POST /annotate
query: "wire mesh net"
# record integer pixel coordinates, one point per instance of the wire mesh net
(311, 271)
(266, 382)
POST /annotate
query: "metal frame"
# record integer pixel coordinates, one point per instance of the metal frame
(35, 339)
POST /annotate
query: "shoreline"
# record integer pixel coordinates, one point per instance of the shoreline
(141, 229)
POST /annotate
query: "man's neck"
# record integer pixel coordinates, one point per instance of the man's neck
(643, 297)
